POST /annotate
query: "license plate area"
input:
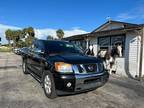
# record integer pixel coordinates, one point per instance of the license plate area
(94, 80)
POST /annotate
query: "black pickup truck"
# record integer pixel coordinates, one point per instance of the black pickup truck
(62, 68)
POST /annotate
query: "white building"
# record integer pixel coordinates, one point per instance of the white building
(129, 36)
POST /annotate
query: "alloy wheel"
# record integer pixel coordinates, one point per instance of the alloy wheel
(47, 84)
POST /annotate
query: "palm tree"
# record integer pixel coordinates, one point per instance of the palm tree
(9, 36)
(49, 37)
(60, 33)
(30, 35)
(30, 31)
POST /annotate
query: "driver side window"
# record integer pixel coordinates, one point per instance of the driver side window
(38, 48)
(34, 47)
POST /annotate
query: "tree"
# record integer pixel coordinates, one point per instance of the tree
(49, 37)
(8, 34)
(21, 43)
(29, 40)
(60, 33)
(29, 35)
(29, 31)
(14, 35)
(18, 35)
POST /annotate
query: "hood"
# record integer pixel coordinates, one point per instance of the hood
(73, 58)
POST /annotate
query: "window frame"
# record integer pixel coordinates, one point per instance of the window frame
(111, 45)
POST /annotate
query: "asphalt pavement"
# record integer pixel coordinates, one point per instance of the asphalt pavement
(23, 91)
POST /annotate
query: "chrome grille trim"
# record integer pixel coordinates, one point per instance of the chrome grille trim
(87, 68)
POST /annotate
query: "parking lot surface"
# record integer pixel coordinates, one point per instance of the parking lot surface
(23, 91)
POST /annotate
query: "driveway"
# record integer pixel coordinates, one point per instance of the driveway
(23, 91)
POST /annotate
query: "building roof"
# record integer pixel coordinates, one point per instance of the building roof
(97, 32)
(102, 33)
(126, 25)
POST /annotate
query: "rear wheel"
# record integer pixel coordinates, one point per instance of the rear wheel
(24, 67)
(49, 85)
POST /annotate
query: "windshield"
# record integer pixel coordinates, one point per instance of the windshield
(61, 47)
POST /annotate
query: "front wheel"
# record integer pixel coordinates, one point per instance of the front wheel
(49, 85)
(24, 67)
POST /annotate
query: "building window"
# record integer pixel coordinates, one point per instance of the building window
(81, 43)
(117, 43)
(104, 43)
(114, 44)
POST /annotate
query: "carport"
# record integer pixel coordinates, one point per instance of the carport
(130, 36)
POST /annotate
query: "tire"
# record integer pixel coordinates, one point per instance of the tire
(49, 85)
(24, 67)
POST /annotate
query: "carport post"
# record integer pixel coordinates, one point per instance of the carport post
(87, 42)
(141, 54)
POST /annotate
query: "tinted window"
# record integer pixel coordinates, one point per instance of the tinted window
(40, 45)
(115, 44)
(61, 47)
(104, 41)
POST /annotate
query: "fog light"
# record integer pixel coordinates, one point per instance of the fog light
(69, 84)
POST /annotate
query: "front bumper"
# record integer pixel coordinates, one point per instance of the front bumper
(79, 82)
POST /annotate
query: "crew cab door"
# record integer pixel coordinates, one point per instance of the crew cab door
(37, 58)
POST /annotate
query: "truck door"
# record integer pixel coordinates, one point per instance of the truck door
(37, 58)
(30, 55)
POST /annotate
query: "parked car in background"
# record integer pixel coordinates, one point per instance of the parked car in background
(16, 51)
(21, 51)
(24, 50)
(62, 68)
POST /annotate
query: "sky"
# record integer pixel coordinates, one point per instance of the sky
(73, 16)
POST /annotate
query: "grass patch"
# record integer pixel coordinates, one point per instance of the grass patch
(5, 49)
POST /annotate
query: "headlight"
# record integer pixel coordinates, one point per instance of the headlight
(63, 67)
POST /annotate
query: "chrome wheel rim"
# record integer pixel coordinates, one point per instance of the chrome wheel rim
(47, 84)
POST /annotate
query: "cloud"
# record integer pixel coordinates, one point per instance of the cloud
(126, 16)
(41, 33)
(3, 28)
(136, 13)
(75, 31)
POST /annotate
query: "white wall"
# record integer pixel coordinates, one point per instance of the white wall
(143, 57)
(120, 64)
(112, 26)
(129, 64)
(132, 54)
(95, 44)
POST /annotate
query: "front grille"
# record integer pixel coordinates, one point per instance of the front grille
(87, 68)
(90, 67)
